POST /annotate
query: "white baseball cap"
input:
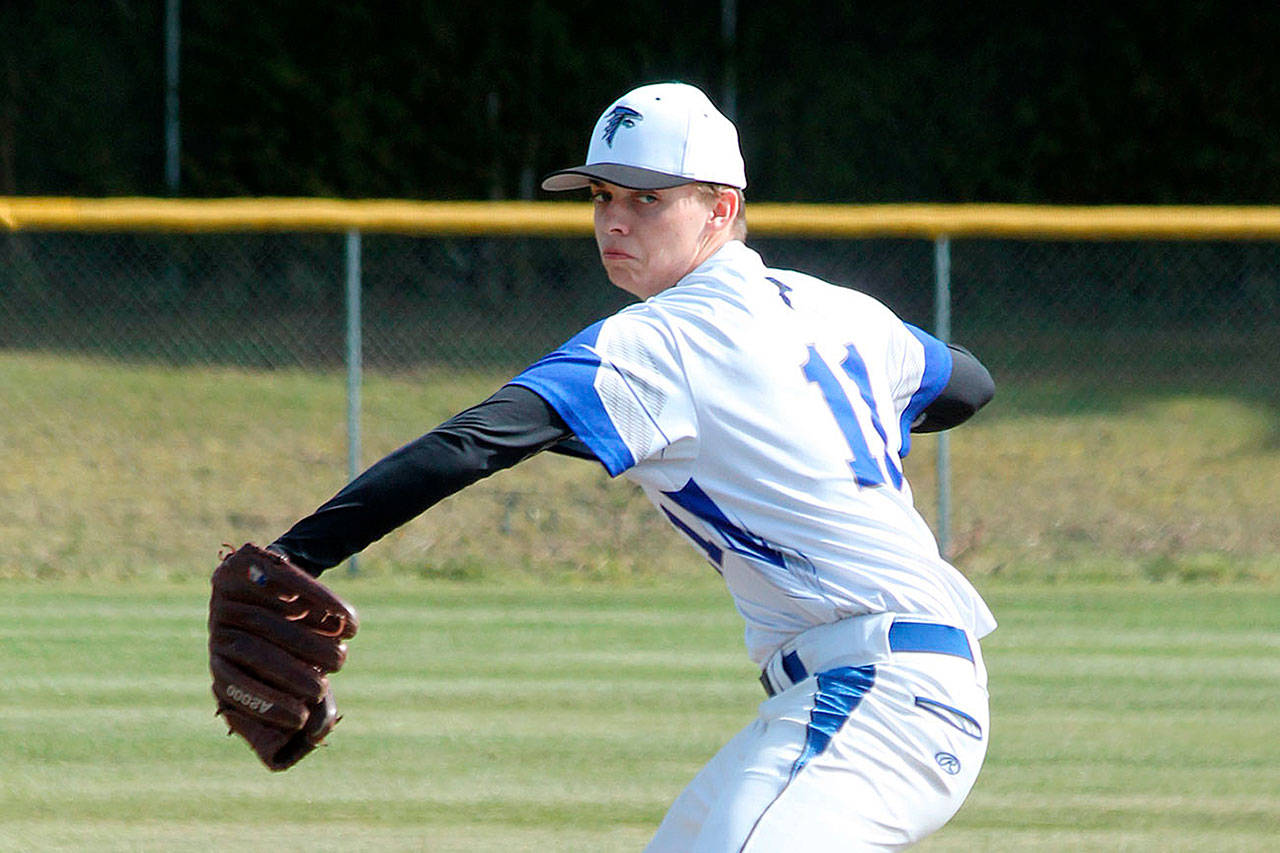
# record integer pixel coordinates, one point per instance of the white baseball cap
(656, 137)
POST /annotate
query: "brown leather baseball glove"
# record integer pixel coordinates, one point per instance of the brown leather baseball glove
(275, 633)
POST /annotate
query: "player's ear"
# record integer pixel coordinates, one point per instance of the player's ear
(725, 208)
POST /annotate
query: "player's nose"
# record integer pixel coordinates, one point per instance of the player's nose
(611, 219)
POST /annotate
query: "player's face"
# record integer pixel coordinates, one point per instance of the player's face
(650, 239)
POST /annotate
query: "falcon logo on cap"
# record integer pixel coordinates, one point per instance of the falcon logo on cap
(619, 117)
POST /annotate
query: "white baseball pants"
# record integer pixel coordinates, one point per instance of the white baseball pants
(873, 742)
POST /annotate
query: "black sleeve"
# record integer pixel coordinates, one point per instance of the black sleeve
(575, 447)
(510, 426)
(969, 389)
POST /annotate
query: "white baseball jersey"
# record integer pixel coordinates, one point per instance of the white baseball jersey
(766, 414)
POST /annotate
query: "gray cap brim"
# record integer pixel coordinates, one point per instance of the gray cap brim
(628, 177)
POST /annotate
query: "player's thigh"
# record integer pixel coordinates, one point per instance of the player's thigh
(716, 810)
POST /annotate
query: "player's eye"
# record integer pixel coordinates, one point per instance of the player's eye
(647, 198)
(599, 196)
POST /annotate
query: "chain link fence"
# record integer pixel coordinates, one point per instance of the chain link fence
(164, 392)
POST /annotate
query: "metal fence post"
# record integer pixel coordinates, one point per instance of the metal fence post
(942, 328)
(354, 363)
(172, 60)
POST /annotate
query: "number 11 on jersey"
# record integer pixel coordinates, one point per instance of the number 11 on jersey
(866, 470)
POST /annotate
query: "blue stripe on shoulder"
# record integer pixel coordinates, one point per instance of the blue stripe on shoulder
(565, 378)
(937, 373)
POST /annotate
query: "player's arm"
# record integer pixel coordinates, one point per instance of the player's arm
(969, 388)
(510, 426)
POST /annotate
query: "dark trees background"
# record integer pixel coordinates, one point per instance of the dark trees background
(1139, 102)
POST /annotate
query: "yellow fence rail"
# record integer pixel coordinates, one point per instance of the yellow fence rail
(532, 218)
(1226, 293)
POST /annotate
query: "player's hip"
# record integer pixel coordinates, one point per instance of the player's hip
(879, 756)
(887, 712)
(872, 739)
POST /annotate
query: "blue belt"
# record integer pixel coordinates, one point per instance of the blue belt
(928, 637)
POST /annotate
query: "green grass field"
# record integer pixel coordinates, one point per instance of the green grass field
(483, 718)
(543, 665)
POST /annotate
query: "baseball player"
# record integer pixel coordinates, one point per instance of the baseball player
(766, 414)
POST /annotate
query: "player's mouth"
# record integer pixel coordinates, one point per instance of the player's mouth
(616, 255)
